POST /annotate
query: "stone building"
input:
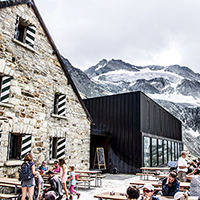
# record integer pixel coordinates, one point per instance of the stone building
(40, 108)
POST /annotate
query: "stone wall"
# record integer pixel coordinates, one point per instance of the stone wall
(36, 77)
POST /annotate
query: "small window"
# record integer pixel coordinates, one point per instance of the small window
(19, 146)
(57, 148)
(24, 31)
(4, 88)
(146, 150)
(60, 104)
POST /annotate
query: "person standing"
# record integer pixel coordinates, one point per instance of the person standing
(27, 177)
(194, 177)
(170, 184)
(182, 167)
(72, 183)
(63, 175)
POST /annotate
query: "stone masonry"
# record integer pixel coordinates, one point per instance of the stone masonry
(36, 76)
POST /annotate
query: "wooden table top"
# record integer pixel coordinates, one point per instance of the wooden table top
(106, 195)
(11, 181)
(88, 171)
(156, 183)
(155, 168)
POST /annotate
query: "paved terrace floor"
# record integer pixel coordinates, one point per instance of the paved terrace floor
(112, 182)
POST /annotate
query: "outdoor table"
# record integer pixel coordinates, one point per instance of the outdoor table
(11, 181)
(106, 195)
(159, 184)
(150, 169)
(91, 174)
(171, 197)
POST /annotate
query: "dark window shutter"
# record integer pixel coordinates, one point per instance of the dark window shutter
(61, 148)
(51, 148)
(30, 35)
(5, 88)
(26, 145)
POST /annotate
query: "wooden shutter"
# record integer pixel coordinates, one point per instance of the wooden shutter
(51, 148)
(30, 35)
(61, 148)
(26, 145)
(16, 36)
(5, 88)
(0, 138)
(62, 105)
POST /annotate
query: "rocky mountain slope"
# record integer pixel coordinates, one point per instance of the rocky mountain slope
(175, 87)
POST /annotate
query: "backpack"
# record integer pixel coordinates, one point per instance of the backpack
(26, 171)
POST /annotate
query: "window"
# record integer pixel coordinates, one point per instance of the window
(57, 148)
(160, 152)
(5, 88)
(165, 151)
(169, 151)
(60, 104)
(173, 151)
(24, 31)
(146, 152)
(19, 146)
(154, 152)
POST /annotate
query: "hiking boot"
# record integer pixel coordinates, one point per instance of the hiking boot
(78, 195)
(71, 197)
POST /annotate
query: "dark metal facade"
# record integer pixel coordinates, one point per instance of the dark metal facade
(118, 123)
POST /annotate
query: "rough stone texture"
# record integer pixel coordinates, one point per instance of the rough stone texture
(37, 76)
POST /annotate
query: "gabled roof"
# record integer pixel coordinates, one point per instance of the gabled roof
(31, 3)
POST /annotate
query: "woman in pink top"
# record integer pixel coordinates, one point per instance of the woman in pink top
(63, 175)
(56, 167)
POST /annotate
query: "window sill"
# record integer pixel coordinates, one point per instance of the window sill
(24, 45)
(1, 164)
(51, 162)
(13, 163)
(58, 116)
(7, 105)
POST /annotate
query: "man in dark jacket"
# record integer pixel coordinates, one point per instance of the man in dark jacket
(55, 191)
(170, 184)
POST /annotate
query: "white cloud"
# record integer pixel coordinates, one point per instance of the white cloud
(140, 32)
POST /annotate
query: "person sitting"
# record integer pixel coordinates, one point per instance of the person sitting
(39, 182)
(132, 193)
(170, 184)
(55, 190)
(194, 177)
(181, 196)
(56, 167)
(42, 168)
(148, 191)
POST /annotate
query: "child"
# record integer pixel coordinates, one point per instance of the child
(72, 182)
(63, 175)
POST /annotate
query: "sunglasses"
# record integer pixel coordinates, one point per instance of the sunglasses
(147, 191)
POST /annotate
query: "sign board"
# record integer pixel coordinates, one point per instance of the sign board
(99, 158)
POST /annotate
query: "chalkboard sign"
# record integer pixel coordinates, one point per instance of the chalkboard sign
(99, 158)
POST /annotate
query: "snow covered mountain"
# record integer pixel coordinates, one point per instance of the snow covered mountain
(175, 87)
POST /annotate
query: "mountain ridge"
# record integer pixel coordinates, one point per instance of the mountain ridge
(174, 87)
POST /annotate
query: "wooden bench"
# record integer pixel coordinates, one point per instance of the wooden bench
(144, 175)
(99, 180)
(8, 196)
(86, 182)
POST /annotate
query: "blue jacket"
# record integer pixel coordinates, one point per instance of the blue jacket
(170, 191)
(153, 198)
